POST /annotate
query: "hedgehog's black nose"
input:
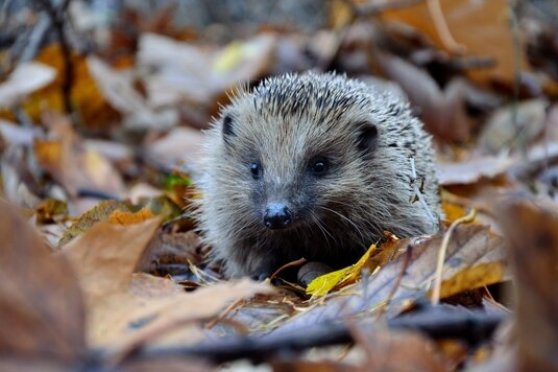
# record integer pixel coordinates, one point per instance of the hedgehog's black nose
(277, 216)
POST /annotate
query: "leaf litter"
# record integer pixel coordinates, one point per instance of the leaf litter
(107, 183)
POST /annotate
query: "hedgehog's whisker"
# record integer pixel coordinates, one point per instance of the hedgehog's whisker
(323, 229)
(345, 218)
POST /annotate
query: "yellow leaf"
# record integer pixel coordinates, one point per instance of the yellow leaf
(322, 285)
(229, 58)
(473, 277)
(119, 217)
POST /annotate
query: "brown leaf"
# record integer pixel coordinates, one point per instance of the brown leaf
(119, 217)
(443, 111)
(100, 212)
(91, 106)
(398, 351)
(147, 315)
(179, 146)
(530, 226)
(514, 126)
(471, 171)
(118, 88)
(40, 302)
(176, 248)
(481, 26)
(75, 167)
(105, 256)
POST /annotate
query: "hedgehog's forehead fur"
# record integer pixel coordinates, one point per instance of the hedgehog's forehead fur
(294, 114)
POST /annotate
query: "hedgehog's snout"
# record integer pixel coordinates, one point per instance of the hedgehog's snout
(277, 216)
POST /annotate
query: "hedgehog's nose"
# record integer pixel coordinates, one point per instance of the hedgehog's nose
(277, 216)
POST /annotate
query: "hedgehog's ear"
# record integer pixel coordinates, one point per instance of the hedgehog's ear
(367, 136)
(228, 130)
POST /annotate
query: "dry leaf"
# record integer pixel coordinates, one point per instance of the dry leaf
(119, 217)
(410, 276)
(322, 285)
(73, 165)
(371, 261)
(25, 79)
(40, 302)
(126, 320)
(471, 171)
(192, 74)
(398, 351)
(101, 211)
(117, 87)
(530, 226)
(514, 126)
(180, 146)
(442, 111)
(482, 27)
(105, 256)
(91, 106)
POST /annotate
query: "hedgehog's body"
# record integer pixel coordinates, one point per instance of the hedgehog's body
(313, 166)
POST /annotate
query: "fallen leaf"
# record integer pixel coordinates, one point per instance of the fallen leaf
(442, 111)
(530, 226)
(514, 127)
(372, 260)
(17, 135)
(117, 87)
(119, 217)
(100, 212)
(106, 255)
(482, 27)
(125, 321)
(471, 171)
(93, 109)
(74, 166)
(41, 305)
(171, 248)
(186, 74)
(387, 350)
(25, 79)
(409, 277)
(180, 146)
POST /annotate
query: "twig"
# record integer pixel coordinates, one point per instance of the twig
(435, 10)
(397, 282)
(520, 137)
(442, 255)
(57, 15)
(4, 10)
(375, 8)
(36, 38)
(436, 322)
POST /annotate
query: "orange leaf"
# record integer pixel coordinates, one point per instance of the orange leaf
(119, 217)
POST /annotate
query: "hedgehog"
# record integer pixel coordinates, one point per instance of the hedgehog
(315, 166)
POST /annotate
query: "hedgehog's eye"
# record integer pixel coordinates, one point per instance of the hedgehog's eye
(256, 170)
(319, 166)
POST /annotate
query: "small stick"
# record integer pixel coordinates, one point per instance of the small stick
(442, 254)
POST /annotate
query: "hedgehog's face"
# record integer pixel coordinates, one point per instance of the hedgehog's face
(294, 171)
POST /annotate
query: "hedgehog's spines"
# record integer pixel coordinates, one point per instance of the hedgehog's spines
(283, 122)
